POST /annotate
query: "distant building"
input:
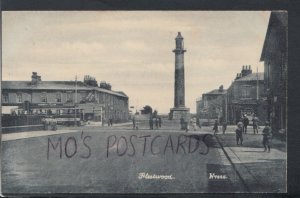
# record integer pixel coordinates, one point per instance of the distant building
(46, 95)
(274, 56)
(246, 96)
(212, 105)
(199, 106)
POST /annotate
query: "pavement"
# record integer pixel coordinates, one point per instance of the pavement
(247, 168)
(260, 171)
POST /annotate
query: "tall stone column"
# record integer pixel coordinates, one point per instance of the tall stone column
(179, 109)
(179, 98)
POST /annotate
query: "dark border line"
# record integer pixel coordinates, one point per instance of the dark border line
(144, 5)
(233, 165)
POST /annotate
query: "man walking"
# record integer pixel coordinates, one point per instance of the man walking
(267, 136)
(245, 123)
(255, 124)
(156, 122)
(199, 123)
(182, 123)
(193, 123)
(215, 129)
(159, 122)
(239, 133)
(224, 127)
(151, 123)
(133, 122)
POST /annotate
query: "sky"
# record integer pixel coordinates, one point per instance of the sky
(132, 50)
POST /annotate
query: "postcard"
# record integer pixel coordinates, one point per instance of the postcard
(119, 102)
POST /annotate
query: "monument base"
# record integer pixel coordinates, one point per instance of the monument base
(177, 113)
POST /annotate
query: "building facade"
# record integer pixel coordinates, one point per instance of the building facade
(40, 96)
(212, 105)
(274, 56)
(246, 96)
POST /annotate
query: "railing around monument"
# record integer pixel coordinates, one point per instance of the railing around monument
(19, 123)
(21, 120)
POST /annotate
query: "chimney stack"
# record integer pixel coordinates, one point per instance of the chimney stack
(35, 78)
(246, 70)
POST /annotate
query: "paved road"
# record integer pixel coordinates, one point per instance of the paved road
(91, 159)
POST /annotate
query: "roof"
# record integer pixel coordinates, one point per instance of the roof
(252, 77)
(277, 18)
(121, 92)
(216, 92)
(54, 85)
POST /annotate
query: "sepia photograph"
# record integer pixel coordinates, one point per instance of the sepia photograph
(144, 102)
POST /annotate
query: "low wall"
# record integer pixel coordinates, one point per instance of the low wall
(13, 129)
(21, 120)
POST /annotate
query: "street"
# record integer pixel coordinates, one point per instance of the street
(118, 159)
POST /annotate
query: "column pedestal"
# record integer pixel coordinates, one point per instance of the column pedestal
(177, 113)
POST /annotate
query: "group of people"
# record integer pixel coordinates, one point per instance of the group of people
(49, 124)
(216, 127)
(266, 132)
(110, 122)
(155, 121)
(185, 124)
(245, 122)
(242, 128)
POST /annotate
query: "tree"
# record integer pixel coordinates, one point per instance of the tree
(154, 113)
(147, 110)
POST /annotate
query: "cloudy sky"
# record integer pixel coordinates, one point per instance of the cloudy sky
(132, 50)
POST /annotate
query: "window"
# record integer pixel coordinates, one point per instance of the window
(245, 92)
(44, 97)
(69, 97)
(205, 103)
(5, 97)
(58, 97)
(19, 98)
(82, 96)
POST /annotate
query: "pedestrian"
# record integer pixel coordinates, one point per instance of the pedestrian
(136, 126)
(255, 124)
(53, 124)
(267, 137)
(133, 123)
(199, 123)
(111, 122)
(194, 123)
(245, 123)
(45, 127)
(224, 127)
(216, 127)
(156, 122)
(182, 123)
(151, 123)
(108, 122)
(159, 122)
(239, 133)
(186, 126)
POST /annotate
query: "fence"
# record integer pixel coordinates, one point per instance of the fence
(21, 120)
